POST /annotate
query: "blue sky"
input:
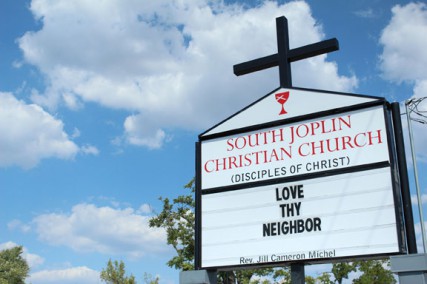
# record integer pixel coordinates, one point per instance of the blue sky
(101, 104)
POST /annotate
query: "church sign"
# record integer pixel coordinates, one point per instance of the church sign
(299, 176)
(294, 186)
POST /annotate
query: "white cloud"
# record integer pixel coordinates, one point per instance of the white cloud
(404, 57)
(145, 208)
(33, 260)
(419, 136)
(81, 275)
(18, 225)
(366, 13)
(76, 133)
(140, 132)
(29, 134)
(168, 62)
(89, 150)
(419, 237)
(88, 228)
(414, 199)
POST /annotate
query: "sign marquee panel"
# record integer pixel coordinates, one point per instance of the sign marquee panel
(339, 216)
(331, 142)
(303, 182)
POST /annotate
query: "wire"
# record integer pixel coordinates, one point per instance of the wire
(414, 107)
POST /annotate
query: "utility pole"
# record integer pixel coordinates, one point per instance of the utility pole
(414, 103)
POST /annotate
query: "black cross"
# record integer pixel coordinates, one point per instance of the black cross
(284, 55)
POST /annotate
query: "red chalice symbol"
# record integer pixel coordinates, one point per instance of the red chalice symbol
(281, 98)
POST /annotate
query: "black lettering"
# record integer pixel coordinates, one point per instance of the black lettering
(292, 227)
(266, 230)
(317, 223)
(277, 195)
(300, 191)
(273, 229)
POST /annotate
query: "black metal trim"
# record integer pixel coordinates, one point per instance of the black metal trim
(198, 211)
(404, 180)
(395, 180)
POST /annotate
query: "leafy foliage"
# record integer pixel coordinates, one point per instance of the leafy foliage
(310, 280)
(178, 218)
(115, 272)
(325, 278)
(374, 272)
(244, 276)
(13, 267)
(148, 279)
(282, 275)
(341, 270)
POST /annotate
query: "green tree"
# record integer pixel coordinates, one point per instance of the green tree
(341, 270)
(13, 267)
(178, 218)
(310, 280)
(374, 272)
(115, 272)
(148, 279)
(244, 276)
(282, 275)
(325, 278)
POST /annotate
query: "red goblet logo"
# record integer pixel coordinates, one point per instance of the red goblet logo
(281, 98)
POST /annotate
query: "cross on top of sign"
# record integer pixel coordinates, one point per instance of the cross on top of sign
(284, 55)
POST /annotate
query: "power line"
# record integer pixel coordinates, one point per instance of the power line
(413, 107)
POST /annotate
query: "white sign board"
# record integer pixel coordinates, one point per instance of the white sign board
(331, 142)
(288, 179)
(330, 217)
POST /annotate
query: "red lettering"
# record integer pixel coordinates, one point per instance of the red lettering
(314, 147)
(314, 126)
(356, 140)
(243, 143)
(370, 137)
(229, 143)
(300, 150)
(306, 129)
(346, 140)
(342, 121)
(232, 162)
(208, 170)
